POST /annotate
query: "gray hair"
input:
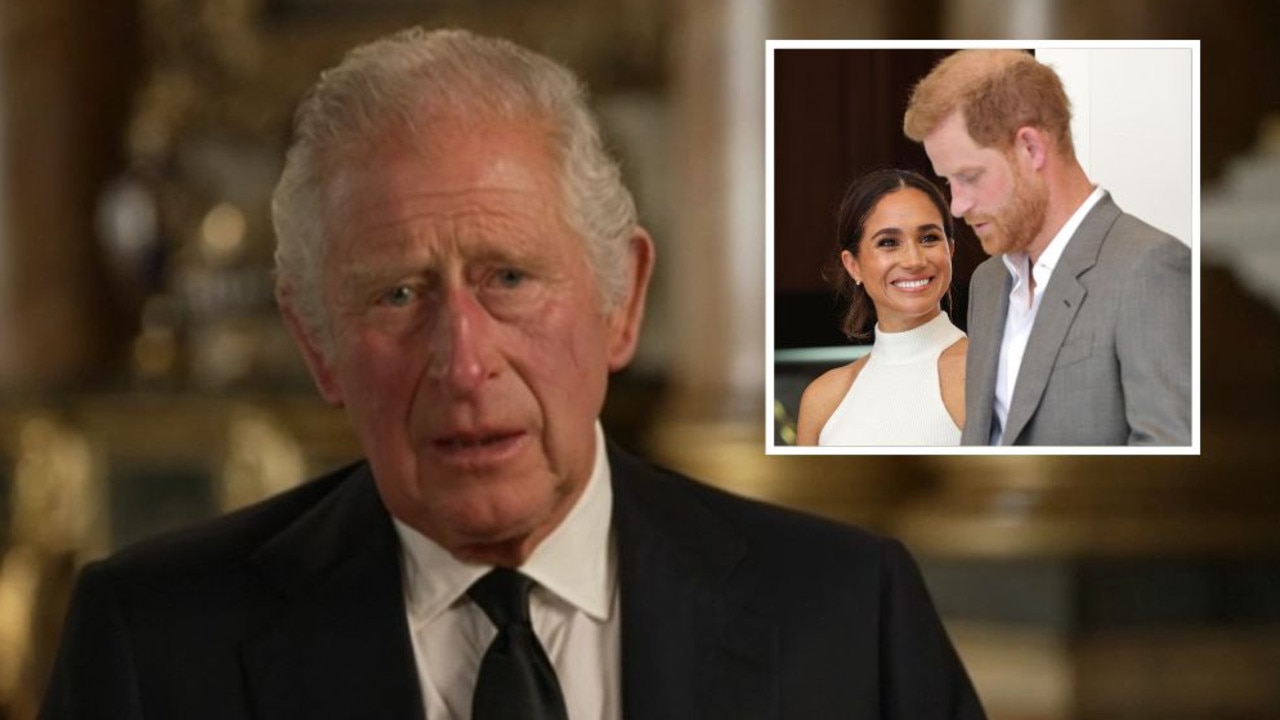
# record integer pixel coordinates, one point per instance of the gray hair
(416, 74)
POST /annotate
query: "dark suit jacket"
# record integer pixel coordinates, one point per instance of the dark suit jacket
(1109, 357)
(293, 609)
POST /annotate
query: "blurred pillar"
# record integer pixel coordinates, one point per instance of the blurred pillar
(717, 264)
(1023, 19)
(64, 78)
(8, 360)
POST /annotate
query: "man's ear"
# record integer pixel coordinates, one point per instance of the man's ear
(318, 362)
(1031, 146)
(627, 316)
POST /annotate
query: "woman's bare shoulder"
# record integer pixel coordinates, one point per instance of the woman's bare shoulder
(821, 398)
(955, 352)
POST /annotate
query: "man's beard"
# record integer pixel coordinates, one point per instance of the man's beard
(1015, 226)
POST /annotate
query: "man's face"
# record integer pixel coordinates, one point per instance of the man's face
(470, 349)
(995, 194)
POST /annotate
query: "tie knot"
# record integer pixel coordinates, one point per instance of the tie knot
(503, 594)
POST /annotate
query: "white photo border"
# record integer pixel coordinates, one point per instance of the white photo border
(772, 448)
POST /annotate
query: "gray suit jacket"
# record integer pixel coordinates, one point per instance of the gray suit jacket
(1109, 358)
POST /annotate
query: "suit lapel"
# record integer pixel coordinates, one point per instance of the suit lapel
(339, 646)
(988, 306)
(689, 649)
(1062, 299)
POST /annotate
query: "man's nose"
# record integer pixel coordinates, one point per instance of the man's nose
(463, 352)
(960, 202)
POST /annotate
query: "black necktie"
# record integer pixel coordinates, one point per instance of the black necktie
(516, 680)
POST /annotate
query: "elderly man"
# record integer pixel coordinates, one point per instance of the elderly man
(461, 266)
(1080, 325)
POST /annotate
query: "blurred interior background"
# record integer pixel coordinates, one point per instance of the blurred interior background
(145, 381)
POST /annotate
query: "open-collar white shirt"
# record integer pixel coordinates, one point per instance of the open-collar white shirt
(573, 607)
(1024, 304)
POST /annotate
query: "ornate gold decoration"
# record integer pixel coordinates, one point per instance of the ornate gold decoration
(262, 459)
(57, 494)
(58, 521)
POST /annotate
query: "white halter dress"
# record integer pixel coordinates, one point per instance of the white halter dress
(896, 398)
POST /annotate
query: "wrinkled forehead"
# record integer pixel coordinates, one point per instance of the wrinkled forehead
(491, 199)
(432, 136)
(438, 162)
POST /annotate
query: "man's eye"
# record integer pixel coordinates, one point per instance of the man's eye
(509, 277)
(399, 296)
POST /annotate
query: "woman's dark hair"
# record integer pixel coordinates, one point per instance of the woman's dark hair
(860, 200)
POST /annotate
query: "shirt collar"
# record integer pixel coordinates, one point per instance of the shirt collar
(1048, 259)
(575, 562)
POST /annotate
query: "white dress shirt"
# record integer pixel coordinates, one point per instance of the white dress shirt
(573, 606)
(1024, 303)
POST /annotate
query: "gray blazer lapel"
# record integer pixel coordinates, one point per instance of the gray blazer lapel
(339, 646)
(988, 305)
(1062, 299)
(689, 648)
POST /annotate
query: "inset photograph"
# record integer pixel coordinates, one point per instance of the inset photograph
(983, 248)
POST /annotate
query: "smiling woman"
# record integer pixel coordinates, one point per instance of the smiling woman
(896, 241)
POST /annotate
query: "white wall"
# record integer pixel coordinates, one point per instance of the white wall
(1132, 127)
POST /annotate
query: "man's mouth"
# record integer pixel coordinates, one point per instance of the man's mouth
(477, 447)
